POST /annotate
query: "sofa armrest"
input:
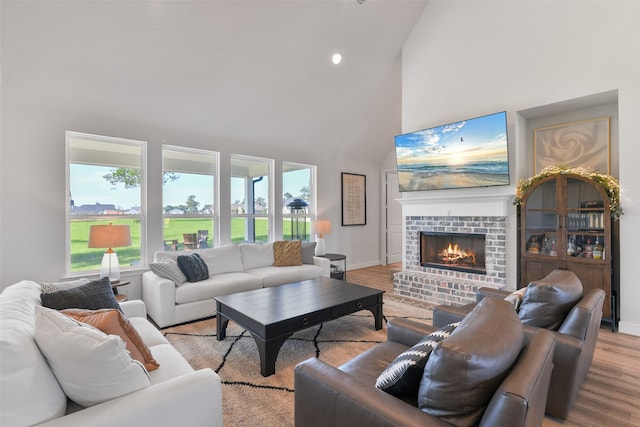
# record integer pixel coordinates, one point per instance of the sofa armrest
(159, 295)
(323, 263)
(193, 399)
(407, 332)
(327, 396)
(134, 308)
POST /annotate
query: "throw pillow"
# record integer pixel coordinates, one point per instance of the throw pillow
(193, 267)
(287, 253)
(112, 322)
(48, 287)
(93, 296)
(515, 298)
(402, 376)
(464, 371)
(169, 269)
(308, 251)
(91, 366)
(224, 259)
(548, 301)
(256, 255)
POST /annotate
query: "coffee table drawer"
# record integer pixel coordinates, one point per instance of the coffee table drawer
(353, 306)
(301, 322)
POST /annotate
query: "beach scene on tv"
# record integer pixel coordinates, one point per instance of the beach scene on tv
(469, 153)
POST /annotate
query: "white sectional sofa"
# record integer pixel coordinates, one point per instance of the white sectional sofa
(30, 394)
(232, 268)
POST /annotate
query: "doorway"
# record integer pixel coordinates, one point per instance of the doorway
(392, 219)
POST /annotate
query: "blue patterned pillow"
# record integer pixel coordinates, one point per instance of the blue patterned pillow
(402, 376)
(193, 267)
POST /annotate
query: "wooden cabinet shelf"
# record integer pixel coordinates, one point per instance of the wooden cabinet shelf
(565, 224)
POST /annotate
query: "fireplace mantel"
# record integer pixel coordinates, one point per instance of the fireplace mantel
(485, 204)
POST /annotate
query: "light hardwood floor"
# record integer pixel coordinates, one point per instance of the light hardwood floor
(610, 396)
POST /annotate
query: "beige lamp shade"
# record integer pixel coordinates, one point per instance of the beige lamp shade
(322, 227)
(109, 236)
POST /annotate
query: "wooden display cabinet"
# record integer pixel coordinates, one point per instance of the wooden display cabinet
(565, 224)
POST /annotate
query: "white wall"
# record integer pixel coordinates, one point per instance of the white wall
(32, 188)
(465, 59)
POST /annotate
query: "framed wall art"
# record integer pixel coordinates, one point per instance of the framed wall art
(354, 199)
(578, 144)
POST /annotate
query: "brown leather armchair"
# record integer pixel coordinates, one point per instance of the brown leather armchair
(347, 396)
(575, 344)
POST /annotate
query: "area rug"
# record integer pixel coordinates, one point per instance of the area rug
(249, 399)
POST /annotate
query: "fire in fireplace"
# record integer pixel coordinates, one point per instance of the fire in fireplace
(453, 251)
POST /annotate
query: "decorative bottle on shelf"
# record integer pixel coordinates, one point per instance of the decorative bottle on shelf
(597, 249)
(571, 247)
(588, 249)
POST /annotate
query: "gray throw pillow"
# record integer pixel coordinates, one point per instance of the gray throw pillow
(193, 267)
(169, 269)
(308, 251)
(94, 295)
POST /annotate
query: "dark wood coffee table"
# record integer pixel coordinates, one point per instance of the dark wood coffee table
(273, 314)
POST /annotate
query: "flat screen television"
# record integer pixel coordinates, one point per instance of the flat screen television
(465, 154)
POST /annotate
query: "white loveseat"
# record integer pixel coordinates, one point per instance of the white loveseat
(31, 395)
(232, 268)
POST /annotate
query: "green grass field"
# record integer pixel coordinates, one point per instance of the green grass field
(84, 258)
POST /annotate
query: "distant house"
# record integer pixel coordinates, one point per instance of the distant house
(96, 209)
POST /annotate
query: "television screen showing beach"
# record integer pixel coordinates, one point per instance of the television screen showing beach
(469, 153)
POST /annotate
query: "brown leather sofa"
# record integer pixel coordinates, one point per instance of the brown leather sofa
(347, 395)
(576, 339)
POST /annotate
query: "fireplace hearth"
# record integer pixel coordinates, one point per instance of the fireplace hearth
(463, 252)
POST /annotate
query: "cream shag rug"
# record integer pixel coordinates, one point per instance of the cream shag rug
(249, 399)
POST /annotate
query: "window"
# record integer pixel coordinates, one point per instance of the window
(298, 200)
(251, 216)
(105, 184)
(189, 179)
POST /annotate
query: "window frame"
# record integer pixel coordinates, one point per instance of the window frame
(269, 215)
(215, 216)
(141, 216)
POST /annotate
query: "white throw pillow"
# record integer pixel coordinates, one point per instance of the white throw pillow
(91, 366)
(29, 392)
(255, 255)
(225, 259)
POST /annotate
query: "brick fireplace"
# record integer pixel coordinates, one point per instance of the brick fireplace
(437, 281)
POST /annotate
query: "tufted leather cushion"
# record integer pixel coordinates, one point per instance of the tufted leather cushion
(548, 301)
(464, 371)
(402, 376)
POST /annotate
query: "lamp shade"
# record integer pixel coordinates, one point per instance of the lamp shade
(109, 236)
(322, 227)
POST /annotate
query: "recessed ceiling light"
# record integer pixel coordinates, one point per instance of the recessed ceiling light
(336, 58)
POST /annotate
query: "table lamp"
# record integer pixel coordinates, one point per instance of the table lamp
(321, 227)
(109, 236)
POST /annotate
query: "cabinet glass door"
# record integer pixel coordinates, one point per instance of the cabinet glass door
(585, 221)
(541, 213)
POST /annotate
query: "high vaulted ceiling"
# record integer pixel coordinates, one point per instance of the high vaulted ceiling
(256, 71)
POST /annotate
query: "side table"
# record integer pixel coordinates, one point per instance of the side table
(337, 273)
(115, 285)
